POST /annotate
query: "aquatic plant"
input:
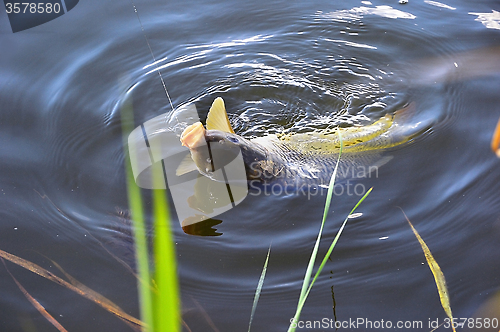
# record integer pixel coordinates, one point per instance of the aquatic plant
(159, 302)
(437, 273)
(158, 295)
(73, 285)
(307, 284)
(259, 289)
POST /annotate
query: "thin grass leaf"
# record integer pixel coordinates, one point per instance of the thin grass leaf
(36, 304)
(332, 246)
(119, 260)
(166, 299)
(159, 310)
(436, 271)
(184, 324)
(95, 297)
(329, 195)
(306, 289)
(259, 289)
(139, 227)
(335, 240)
(205, 315)
(310, 266)
(82, 287)
(92, 293)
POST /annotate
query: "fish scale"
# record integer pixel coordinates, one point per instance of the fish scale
(328, 141)
(309, 156)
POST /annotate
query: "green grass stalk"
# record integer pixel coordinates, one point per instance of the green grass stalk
(310, 266)
(332, 246)
(259, 289)
(138, 228)
(307, 284)
(166, 299)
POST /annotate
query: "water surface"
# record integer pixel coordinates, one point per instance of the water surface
(281, 67)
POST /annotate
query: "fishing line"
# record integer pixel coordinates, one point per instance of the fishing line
(152, 54)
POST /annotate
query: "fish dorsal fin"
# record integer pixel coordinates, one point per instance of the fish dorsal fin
(217, 118)
(187, 165)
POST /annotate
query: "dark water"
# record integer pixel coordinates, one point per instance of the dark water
(280, 66)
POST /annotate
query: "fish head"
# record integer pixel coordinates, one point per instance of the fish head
(212, 149)
(229, 143)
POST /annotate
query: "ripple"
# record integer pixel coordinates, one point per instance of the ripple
(360, 12)
(489, 20)
(280, 69)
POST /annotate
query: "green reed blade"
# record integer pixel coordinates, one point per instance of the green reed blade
(166, 299)
(259, 289)
(302, 300)
(334, 242)
(138, 226)
(307, 277)
(436, 272)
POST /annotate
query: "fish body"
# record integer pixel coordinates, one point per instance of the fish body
(293, 158)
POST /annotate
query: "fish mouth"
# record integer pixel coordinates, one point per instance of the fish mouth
(193, 136)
